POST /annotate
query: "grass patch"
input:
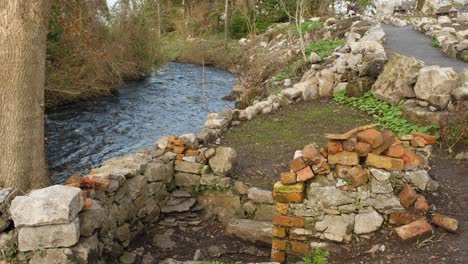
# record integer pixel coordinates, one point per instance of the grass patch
(390, 117)
(324, 48)
(280, 77)
(307, 27)
(435, 43)
(317, 257)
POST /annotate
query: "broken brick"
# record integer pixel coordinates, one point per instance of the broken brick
(288, 177)
(322, 167)
(88, 203)
(282, 208)
(396, 150)
(289, 197)
(358, 176)
(279, 232)
(349, 144)
(428, 138)
(447, 223)
(74, 179)
(344, 158)
(299, 247)
(297, 237)
(334, 146)
(179, 149)
(298, 187)
(407, 196)
(384, 162)
(278, 244)
(324, 152)
(388, 138)
(180, 157)
(342, 171)
(171, 138)
(371, 136)
(297, 164)
(178, 142)
(278, 256)
(362, 148)
(305, 174)
(87, 183)
(288, 221)
(418, 142)
(403, 218)
(192, 153)
(100, 184)
(410, 158)
(413, 230)
(421, 204)
(311, 153)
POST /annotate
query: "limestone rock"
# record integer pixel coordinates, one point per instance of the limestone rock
(336, 227)
(375, 33)
(92, 219)
(186, 179)
(326, 81)
(435, 85)
(50, 256)
(158, 171)
(87, 250)
(128, 166)
(223, 205)
(419, 179)
(397, 79)
(49, 236)
(314, 58)
(179, 205)
(224, 161)
(371, 50)
(367, 222)
(264, 212)
(420, 115)
(260, 196)
(359, 86)
(251, 230)
(188, 167)
(56, 204)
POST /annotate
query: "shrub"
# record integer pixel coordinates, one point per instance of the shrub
(308, 26)
(318, 257)
(453, 128)
(324, 48)
(238, 27)
(435, 43)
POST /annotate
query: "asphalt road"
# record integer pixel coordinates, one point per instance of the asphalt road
(408, 42)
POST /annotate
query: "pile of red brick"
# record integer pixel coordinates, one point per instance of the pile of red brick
(350, 156)
(93, 181)
(178, 146)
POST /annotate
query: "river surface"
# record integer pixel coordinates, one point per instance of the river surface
(172, 101)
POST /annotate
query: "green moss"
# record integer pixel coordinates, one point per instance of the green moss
(324, 48)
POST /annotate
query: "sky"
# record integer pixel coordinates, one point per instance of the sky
(110, 3)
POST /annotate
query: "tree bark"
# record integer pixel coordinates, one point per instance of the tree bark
(23, 32)
(226, 9)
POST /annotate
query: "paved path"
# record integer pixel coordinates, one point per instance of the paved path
(408, 42)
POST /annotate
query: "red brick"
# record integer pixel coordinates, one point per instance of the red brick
(278, 244)
(396, 150)
(88, 203)
(349, 144)
(411, 158)
(297, 237)
(99, 183)
(388, 138)
(384, 162)
(348, 188)
(305, 174)
(342, 171)
(413, 230)
(279, 232)
(297, 164)
(322, 167)
(171, 138)
(74, 179)
(344, 158)
(311, 153)
(278, 256)
(370, 136)
(447, 223)
(362, 148)
(87, 183)
(421, 204)
(299, 247)
(178, 142)
(407, 196)
(418, 142)
(192, 153)
(288, 221)
(403, 218)
(324, 152)
(428, 138)
(179, 149)
(282, 208)
(334, 146)
(358, 176)
(289, 197)
(288, 177)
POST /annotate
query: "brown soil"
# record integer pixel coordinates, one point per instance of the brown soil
(208, 235)
(267, 143)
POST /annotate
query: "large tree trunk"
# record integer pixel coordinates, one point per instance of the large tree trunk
(23, 31)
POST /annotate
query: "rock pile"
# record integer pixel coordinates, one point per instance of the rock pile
(348, 189)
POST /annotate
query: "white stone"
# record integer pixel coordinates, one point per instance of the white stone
(435, 85)
(419, 179)
(367, 222)
(250, 230)
(49, 236)
(444, 20)
(380, 175)
(260, 196)
(326, 83)
(314, 58)
(224, 161)
(336, 227)
(57, 204)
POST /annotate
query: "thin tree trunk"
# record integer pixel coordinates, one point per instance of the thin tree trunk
(158, 5)
(226, 8)
(23, 31)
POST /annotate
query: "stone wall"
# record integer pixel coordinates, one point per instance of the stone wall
(348, 190)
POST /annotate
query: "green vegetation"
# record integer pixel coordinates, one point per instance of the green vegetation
(435, 43)
(324, 48)
(453, 128)
(280, 76)
(318, 257)
(9, 252)
(213, 186)
(389, 117)
(307, 26)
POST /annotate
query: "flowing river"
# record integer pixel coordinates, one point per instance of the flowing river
(172, 101)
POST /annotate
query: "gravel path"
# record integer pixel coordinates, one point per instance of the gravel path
(406, 41)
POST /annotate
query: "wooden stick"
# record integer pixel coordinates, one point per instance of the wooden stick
(349, 133)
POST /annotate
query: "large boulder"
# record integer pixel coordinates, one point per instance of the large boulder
(435, 85)
(250, 230)
(371, 50)
(223, 205)
(419, 115)
(376, 33)
(224, 161)
(326, 82)
(309, 89)
(444, 20)
(49, 236)
(397, 79)
(56, 204)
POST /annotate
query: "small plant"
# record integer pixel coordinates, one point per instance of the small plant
(318, 257)
(453, 128)
(390, 117)
(307, 26)
(280, 77)
(213, 186)
(347, 181)
(10, 252)
(324, 48)
(435, 43)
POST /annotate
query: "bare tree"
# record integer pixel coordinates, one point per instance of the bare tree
(226, 9)
(23, 31)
